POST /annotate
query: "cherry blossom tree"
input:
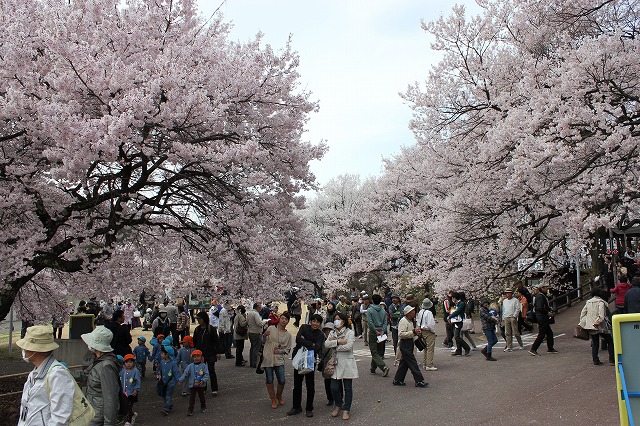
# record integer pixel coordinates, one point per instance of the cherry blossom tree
(144, 123)
(527, 136)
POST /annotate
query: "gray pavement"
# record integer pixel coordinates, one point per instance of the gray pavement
(518, 389)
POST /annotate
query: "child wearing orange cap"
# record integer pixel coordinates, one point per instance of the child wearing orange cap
(130, 384)
(195, 376)
(184, 358)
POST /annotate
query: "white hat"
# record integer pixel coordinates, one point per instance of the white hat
(427, 303)
(408, 309)
(38, 339)
(99, 339)
(329, 325)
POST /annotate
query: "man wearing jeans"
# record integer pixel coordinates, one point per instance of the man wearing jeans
(511, 308)
(427, 325)
(377, 324)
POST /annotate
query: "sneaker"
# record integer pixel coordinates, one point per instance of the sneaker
(467, 353)
(456, 354)
(127, 424)
(432, 368)
(203, 410)
(474, 348)
(385, 372)
(452, 348)
(507, 350)
(399, 383)
(534, 353)
(309, 414)
(214, 393)
(184, 394)
(190, 413)
(521, 348)
(422, 384)
(552, 351)
(373, 372)
(164, 412)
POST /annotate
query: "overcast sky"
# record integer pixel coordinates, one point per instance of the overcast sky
(355, 57)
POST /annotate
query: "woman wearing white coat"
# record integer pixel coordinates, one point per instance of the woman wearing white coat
(342, 339)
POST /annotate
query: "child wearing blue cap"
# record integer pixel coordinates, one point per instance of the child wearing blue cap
(167, 376)
(142, 354)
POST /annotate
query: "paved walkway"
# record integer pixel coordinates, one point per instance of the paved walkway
(518, 389)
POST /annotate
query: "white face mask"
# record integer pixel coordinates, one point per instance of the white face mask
(26, 358)
(337, 323)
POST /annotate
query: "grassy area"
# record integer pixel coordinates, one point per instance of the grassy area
(4, 347)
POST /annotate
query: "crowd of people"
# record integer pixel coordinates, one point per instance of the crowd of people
(184, 360)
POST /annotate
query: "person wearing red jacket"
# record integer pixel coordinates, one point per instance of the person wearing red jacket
(620, 290)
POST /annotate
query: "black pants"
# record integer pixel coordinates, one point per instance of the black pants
(394, 337)
(192, 398)
(309, 380)
(595, 346)
(228, 342)
(128, 402)
(544, 330)
(357, 326)
(448, 327)
(239, 349)
(213, 377)
(174, 334)
(460, 343)
(408, 362)
(58, 331)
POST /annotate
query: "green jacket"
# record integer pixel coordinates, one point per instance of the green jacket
(377, 318)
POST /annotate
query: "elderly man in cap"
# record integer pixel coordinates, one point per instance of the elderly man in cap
(103, 385)
(40, 406)
(427, 325)
(544, 315)
(406, 333)
(511, 309)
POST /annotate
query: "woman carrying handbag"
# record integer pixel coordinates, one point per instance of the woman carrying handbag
(595, 318)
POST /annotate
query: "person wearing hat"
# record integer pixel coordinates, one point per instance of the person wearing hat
(167, 376)
(395, 313)
(406, 333)
(162, 324)
(130, 384)
(427, 325)
(343, 306)
(544, 316)
(511, 309)
(489, 322)
(39, 406)
(102, 376)
(183, 359)
(142, 354)
(195, 377)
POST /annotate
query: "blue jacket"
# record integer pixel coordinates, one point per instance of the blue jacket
(130, 380)
(195, 372)
(142, 354)
(184, 357)
(155, 354)
(168, 371)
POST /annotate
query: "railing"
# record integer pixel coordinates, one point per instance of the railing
(565, 300)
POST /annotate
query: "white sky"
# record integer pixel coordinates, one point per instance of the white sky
(355, 57)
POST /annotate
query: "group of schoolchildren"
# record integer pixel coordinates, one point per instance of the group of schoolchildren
(171, 369)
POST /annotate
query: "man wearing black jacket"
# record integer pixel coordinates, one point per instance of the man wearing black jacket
(311, 337)
(543, 315)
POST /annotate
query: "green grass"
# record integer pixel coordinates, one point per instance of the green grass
(4, 347)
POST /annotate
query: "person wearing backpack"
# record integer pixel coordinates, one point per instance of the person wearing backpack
(46, 399)
(103, 383)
